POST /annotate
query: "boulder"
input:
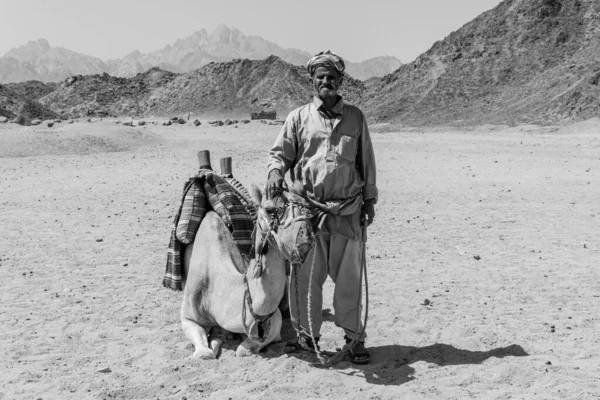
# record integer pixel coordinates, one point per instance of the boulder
(35, 122)
(228, 122)
(263, 115)
(181, 121)
(3, 120)
(168, 123)
(21, 120)
(141, 123)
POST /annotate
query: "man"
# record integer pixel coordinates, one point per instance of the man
(326, 147)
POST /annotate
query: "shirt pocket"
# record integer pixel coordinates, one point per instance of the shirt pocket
(347, 149)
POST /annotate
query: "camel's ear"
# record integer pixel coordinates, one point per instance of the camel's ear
(256, 194)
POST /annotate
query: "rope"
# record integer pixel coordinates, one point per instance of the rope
(309, 309)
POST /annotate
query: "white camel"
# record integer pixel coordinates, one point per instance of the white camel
(218, 293)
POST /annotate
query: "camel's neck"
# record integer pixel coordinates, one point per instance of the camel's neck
(268, 289)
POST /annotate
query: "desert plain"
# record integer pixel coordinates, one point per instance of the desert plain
(483, 266)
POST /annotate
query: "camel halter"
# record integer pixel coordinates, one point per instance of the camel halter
(247, 301)
(258, 256)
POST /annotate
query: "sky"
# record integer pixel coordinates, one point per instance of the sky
(357, 30)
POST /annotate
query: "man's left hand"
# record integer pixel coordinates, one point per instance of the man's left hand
(368, 212)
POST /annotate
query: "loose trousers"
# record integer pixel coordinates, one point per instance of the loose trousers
(341, 259)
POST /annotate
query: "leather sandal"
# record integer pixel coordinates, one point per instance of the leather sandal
(304, 343)
(358, 353)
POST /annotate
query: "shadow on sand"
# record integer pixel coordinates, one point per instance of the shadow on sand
(390, 364)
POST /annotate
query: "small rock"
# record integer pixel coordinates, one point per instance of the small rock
(36, 122)
(50, 124)
(548, 363)
(197, 123)
(426, 302)
(125, 264)
(105, 370)
(141, 123)
(100, 240)
(168, 123)
(3, 120)
(477, 257)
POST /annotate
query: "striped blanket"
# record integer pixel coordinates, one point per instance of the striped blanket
(229, 199)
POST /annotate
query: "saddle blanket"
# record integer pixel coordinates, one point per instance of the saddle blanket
(204, 192)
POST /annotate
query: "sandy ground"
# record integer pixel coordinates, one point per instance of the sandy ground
(498, 228)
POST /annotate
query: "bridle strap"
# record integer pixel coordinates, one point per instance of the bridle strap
(247, 301)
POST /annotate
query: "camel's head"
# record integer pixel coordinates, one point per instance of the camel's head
(287, 217)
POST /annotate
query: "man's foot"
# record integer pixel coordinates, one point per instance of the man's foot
(358, 353)
(304, 343)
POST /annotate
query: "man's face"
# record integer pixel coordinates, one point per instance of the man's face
(326, 80)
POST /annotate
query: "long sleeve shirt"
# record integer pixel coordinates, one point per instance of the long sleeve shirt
(332, 158)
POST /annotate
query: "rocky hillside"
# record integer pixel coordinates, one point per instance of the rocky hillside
(33, 90)
(232, 88)
(523, 61)
(83, 95)
(37, 60)
(13, 104)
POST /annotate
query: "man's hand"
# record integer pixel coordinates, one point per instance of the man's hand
(275, 184)
(368, 212)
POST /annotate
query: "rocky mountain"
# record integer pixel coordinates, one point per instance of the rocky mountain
(523, 61)
(13, 104)
(37, 60)
(230, 88)
(201, 48)
(373, 67)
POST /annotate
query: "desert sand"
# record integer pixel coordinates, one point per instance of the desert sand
(483, 267)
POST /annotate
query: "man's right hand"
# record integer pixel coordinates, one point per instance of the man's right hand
(275, 184)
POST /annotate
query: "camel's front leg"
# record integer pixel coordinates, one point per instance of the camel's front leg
(272, 334)
(199, 338)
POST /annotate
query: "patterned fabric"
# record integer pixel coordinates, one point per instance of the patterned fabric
(326, 58)
(224, 200)
(193, 209)
(243, 195)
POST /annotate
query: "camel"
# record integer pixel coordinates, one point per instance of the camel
(215, 290)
